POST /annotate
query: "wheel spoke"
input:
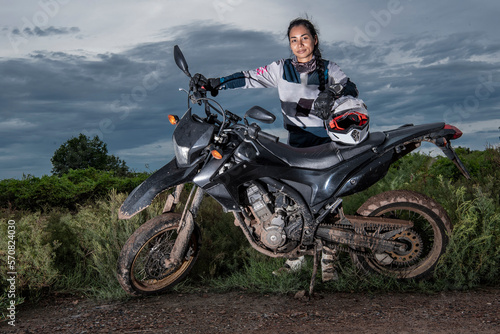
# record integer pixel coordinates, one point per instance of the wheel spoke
(149, 271)
(142, 267)
(425, 241)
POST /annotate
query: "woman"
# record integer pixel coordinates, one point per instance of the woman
(308, 86)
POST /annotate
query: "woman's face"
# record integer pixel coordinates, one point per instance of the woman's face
(302, 43)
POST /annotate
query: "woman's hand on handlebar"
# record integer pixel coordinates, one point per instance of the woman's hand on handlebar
(197, 82)
(200, 83)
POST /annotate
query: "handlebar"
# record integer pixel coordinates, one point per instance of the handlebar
(267, 136)
(254, 132)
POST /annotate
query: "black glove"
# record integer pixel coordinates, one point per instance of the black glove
(323, 104)
(197, 82)
(200, 83)
(350, 89)
(212, 86)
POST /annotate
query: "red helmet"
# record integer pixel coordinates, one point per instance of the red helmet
(350, 127)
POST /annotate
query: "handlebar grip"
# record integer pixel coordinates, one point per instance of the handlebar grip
(268, 136)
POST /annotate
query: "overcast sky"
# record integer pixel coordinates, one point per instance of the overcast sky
(105, 67)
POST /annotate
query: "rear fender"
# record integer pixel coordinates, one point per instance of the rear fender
(439, 134)
(442, 140)
(166, 177)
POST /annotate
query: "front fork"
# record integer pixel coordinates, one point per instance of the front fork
(186, 224)
(173, 199)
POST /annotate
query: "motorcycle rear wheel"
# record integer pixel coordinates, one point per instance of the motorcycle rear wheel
(141, 269)
(426, 241)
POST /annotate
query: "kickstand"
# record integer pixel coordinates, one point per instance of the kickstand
(318, 246)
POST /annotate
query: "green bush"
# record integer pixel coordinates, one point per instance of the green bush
(473, 254)
(33, 255)
(224, 246)
(77, 187)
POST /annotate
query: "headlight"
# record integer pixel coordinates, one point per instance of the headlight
(181, 154)
(191, 136)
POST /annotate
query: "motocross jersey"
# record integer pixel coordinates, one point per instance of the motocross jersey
(297, 91)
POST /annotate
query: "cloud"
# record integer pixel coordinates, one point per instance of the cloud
(151, 154)
(16, 124)
(44, 32)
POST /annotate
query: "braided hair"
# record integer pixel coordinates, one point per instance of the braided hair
(320, 65)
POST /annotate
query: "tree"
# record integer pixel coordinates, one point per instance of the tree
(82, 153)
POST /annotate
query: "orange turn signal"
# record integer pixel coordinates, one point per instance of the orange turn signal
(216, 154)
(173, 119)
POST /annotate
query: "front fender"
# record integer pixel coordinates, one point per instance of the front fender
(166, 177)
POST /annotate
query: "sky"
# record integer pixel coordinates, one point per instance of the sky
(106, 68)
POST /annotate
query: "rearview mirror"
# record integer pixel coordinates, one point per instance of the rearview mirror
(260, 114)
(181, 61)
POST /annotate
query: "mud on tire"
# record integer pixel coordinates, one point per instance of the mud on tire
(427, 239)
(141, 269)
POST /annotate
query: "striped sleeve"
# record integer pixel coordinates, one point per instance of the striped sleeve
(262, 77)
(335, 74)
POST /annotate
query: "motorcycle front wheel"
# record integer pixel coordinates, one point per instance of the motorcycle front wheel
(141, 264)
(426, 241)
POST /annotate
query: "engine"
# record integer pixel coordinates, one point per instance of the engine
(278, 221)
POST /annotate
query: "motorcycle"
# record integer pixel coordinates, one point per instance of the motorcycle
(287, 201)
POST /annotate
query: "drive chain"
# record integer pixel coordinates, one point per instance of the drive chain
(347, 249)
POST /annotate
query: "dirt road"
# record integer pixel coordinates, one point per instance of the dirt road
(239, 312)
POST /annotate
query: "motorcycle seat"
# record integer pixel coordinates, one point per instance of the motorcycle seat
(321, 156)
